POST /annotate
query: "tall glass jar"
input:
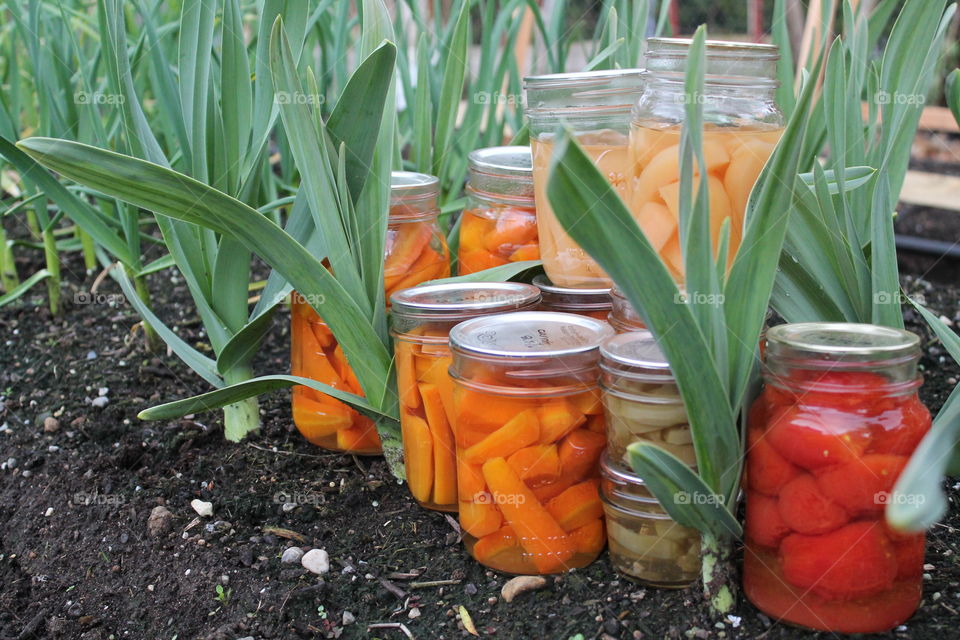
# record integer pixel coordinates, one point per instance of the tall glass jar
(596, 105)
(834, 427)
(742, 124)
(499, 224)
(529, 431)
(422, 318)
(415, 251)
(594, 303)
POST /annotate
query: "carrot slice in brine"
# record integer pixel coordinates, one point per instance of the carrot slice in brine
(522, 430)
(444, 448)
(418, 452)
(480, 518)
(577, 506)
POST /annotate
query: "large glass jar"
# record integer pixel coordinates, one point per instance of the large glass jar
(645, 542)
(596, 105)
(594, 303)
(529, 431)
(415, 251)
(641, 398)
(742, 124)
(835, 425)
(422, 318)
(499, 224)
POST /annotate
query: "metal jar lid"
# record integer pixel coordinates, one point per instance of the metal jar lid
(581, 299)
(530, 334)
(635, 355)
(461, 301)
(409, 187)
(819, 344)
(502, 173)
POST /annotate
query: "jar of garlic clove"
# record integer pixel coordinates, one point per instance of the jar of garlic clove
(646, 544)
(641, 399)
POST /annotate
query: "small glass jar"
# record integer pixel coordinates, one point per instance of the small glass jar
(646, 544)
(836, 423)
(422, 318)
(415, 251)
(623, 317)
(596, 105)
(530, 430)
(593, 303)
(641, 398)
(742, 125)
(499, 224)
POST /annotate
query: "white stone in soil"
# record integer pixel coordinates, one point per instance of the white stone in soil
(316, 561)
(291, 555)
(203, 509)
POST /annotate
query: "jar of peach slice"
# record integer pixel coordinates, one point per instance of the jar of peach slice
(529, 429)
(594, 303)
(596, 106)
(421, 319)
(742, 125)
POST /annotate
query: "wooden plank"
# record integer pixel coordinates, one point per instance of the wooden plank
(931, 190)
(932, 119)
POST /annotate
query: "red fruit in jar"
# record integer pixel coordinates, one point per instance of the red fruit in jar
(767, 470)
(764, 524)
(910, 553)
(862, 485)
(900, 431)
(816, 439)
(855, 561)
(805, 509)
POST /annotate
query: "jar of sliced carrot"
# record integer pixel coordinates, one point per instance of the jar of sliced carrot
(596, 105)
(593, 303)
(834, 427)
(623, 317)
(422, 318)
(415, 251)
(742, 124)
(529, 429)
(641, 398)
(499, 224)
(645, 542)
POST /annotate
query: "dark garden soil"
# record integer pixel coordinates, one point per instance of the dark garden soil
(79, 482)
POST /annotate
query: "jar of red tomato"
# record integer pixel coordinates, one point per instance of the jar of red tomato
(832, 430)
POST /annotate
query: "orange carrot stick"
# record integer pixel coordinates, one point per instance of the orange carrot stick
(558, 418)
(444, 449)
(590, 538)
(470, 483)
(406, 375)
(493, 544)
(537, 464)
(479, 518)
(522, 430)
(576, 506)
(418, 451)
(579, 453)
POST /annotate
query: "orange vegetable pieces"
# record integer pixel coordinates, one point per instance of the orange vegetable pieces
(321, 331)
(805, 509)
(429, 266)
(807, 439)
(541, 536)
(406, 375)
(558, 418)
(318, 419)
(526, 252)
(597, 423)
(342, 367)
(576, 506)
(863, 485)
(767, 470)
(435, 370)
(493, 544)
(657, 223)
(444, 448)
(362, 437)
(764, 524)
(855, 561)
(480, 519)
(474, 227)
(512, 227)
(537, 464)
(474, 261)
(418, 452)
(553, 489)
(522, 430)
(579, 453)
(590, 538)
(471, 486)
(405, 245)
(588, 402)
(486, 411)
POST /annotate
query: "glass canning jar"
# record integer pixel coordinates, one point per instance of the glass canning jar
(596, 105)
(623, 317)
(641, 398)
(833, 428)
(529, 431)
(645, 542)
(594, 303)
(742, 124)
(421, 319)
(499, 224)
(415, 251)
